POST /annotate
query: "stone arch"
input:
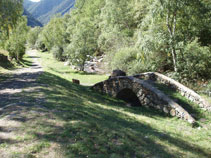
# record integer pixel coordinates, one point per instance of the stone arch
(147, 94)
(129, 97)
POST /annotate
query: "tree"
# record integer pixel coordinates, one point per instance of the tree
(83, 44)
(33, 36)
(170, 22)
(10, 12)
(15, 45)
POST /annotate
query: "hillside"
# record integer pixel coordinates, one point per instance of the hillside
(31, 20)
(49, 116)
(45, 9)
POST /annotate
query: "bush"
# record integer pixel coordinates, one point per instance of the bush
(33, 36)
(58, 53)
(40, 45)
(124, 60)
(134, 61)
(15, 45)
(194, 63)
(16, 48)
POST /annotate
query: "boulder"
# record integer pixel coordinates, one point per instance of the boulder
(116, 73)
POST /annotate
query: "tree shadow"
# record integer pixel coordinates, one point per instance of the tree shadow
(98, 125)
(189, 106)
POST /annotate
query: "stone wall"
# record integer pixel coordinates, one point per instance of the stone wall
(148, 95)
(183, 90)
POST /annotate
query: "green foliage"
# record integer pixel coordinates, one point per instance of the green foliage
(194, 61)
(160, 32)
(32, 36)
(208, 89)
(15, 45)
(10, 12)
(39, 45)
(58, 53)
(125, 59)
(83, 43)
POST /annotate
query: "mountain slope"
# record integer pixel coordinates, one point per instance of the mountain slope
(45, 9)
(31, 20)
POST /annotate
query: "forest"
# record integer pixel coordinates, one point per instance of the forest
(172, 37)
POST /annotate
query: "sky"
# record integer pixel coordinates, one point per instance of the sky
(35, 0)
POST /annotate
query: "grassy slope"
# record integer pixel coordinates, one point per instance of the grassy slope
(191, 107)
(100, 126)
(81, 123)
(7, 67)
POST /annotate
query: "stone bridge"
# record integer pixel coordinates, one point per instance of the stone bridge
(139, 90)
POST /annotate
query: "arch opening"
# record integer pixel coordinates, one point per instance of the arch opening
(129, 97)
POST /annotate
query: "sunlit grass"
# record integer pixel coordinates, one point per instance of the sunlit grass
(58, 68)
(100, 126)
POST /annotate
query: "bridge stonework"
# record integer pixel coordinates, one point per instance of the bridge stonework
(183, 90)
(148, 95)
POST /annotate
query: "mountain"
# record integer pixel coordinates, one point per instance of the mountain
(31, 20)
(46, 9)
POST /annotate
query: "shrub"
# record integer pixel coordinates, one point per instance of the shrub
(194, 62)
(33, 36)
(40, 45)
(15, 45)
(124, 59)
(134, 61)
(58, 53)
(16, 48)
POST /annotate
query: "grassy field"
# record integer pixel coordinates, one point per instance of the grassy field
(76, 122)
(58, 68)
(191, 107)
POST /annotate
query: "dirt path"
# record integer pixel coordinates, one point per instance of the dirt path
(23, 79)
(21, 107)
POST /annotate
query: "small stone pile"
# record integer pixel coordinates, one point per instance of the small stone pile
(94, 65)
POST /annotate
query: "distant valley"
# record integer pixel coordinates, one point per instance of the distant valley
(44, 10)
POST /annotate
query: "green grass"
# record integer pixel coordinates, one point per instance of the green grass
(100, 126)
(66, 72)
(78, 123)
(6, 67)
(191, 107)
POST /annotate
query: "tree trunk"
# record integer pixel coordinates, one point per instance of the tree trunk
(173, 53)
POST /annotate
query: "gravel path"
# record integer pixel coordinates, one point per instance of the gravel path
(23, 79)
(21, 101)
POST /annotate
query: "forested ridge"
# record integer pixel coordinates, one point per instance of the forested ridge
(44, 10)
(31, 21)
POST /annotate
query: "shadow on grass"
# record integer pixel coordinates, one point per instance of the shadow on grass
(100, 126)
(26, 63)
(191, 107)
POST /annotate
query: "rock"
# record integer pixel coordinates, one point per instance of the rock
(116, 73)
(75, 81)
(173, 112)
(67, 63)
(202, 120)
